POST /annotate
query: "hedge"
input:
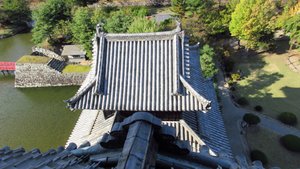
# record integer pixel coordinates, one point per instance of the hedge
(291, 142)
(258, 108)
(243, 101)
(259, 155)
(288, 118)
(251, 119)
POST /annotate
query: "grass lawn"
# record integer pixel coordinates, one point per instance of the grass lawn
(277, 155)
(34, 59)
(76, 69)
(269, 82)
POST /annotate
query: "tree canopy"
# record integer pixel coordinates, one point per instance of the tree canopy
(83, 29)
(289, 20)
(118, 22)
(208, 65)
(48, 17)
(81, 2)
(251, 119)
(292, 27)
(252, 21)
(15, 11)
(203, 18)
(142, 24)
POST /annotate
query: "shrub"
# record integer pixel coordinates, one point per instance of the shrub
(251, 119)
(243, 101)
(235, 76)
(259, 155)
(258, 108)
(228, 65)
(232, 88)
(291, 142)
(288, 118)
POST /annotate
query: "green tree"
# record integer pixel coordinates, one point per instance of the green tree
(178, 7)
(227, 12)
(99, 15)
(17, 10)
(142, 24)
(202, 18)
(47, 18)
(83, 29)
(118, 22)
(208, 65)
(252, 21)
(198, 5)
(292, 27)
(4, 18)
(286, 13)
(80, 2)
(251, 119)
(62, 31)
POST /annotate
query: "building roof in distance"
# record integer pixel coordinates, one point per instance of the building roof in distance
(73, 50)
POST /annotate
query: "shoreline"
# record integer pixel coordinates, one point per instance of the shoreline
(18, 30)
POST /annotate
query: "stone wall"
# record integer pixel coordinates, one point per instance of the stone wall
(40, 75)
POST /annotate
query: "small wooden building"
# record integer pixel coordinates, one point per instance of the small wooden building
(73, 53)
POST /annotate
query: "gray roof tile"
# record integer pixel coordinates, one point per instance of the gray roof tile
(140, 72)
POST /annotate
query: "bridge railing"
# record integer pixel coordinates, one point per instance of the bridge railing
(7, 66)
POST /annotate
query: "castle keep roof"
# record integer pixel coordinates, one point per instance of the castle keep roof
(140, 72)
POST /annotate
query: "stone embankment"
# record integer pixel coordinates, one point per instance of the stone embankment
(45, 52)
(40, 75)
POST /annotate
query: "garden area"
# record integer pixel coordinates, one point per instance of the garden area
(269, 144)
(34, 59)
(75, 68)
(267, 84)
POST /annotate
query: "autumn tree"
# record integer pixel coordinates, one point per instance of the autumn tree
(287, 12)
(252, 21)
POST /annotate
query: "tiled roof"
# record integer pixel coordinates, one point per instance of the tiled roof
(73, 50)
(209, 125)
(140, 72)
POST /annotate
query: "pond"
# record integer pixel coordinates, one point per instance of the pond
(33, 117)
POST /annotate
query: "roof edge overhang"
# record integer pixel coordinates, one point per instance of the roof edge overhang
(117, 35)
(206, 103)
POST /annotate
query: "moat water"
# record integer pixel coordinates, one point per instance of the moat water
(33, 117)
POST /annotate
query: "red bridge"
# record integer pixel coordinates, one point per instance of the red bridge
(7, 66)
